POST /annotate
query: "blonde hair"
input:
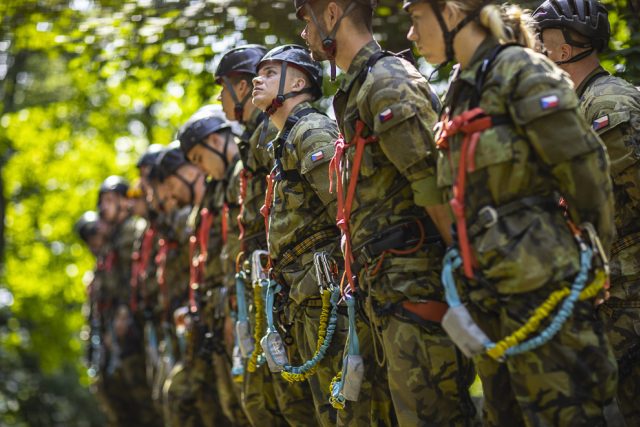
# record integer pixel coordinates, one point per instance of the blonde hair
(508, 23)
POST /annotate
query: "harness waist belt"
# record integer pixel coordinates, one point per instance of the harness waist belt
(301, 248)
(398, 236)
(626, 241)
(488, 215)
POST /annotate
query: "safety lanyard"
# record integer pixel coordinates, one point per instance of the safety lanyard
(351, 361)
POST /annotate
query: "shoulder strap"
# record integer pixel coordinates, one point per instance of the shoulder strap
(483, 71)
(292, 120)
(591, 81)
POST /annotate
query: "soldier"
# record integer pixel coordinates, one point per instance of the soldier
(267, 398)
(207, 140)
(511, 138)
(300, 211)
(391, 215)
(191, 392)
(93, 234)
(126, 371)
(573, 33)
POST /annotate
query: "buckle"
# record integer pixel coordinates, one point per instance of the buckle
(488, 216)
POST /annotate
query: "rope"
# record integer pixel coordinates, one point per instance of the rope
(257, 359)
(515, 343)
(326, 330)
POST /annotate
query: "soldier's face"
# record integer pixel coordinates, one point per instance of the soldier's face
(109, 204)
(425, 32)
(95, 243)
(265, 85)
(241, 90)
(311, 35)
(205, 160)
(164, 193)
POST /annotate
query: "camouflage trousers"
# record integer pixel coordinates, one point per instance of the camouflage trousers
(269, 400)
(190, 398)
(621, 318)
(565, 382)
(129, 394)
(428, 378)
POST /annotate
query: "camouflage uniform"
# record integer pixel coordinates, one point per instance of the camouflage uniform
(301, 222)
(125, 378)
(267, 398)
(428, 380)
(613, 107)
(539, 147)
(207, 340)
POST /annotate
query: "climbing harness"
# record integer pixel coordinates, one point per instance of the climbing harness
(326, 274)
(200, 241)
(347, 383)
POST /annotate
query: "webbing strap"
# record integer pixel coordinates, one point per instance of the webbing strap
(345, 202)
(161, 261)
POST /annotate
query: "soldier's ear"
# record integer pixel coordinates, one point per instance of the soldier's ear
(332, 12)
(566, 52)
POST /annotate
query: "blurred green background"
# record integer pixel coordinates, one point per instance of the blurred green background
(85, 86)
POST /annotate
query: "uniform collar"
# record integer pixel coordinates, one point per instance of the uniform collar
(358, 62)
(469, 74)
(255, 120)
(584, 84)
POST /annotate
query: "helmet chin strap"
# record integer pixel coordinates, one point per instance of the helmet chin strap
(190, 185)
(238, 109)
(329, 44)
(222, 154)
(450, 35)
(571, 42)
(279, 100)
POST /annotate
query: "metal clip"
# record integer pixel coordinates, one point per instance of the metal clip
(257, 271)
(489, 215)
(326, 273)
(596, 245)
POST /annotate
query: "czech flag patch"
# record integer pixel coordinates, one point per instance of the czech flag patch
(601, 123)
(386, 115)
(318, 155)
(550, 101)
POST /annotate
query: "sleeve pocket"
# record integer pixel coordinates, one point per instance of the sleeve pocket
(540, 105)
(391, 116)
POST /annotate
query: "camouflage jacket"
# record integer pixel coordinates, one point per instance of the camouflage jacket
(543, 147)
(117, 279)
(257, 167)
(172, 261)
(227, 201)
(213, 275)
(302, 216)
(397, 179)
(612, 105)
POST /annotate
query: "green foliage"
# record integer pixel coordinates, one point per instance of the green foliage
(85, 86)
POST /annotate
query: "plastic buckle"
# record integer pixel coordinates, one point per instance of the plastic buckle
(489, 216)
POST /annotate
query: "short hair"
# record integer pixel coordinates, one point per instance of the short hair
(361, 15)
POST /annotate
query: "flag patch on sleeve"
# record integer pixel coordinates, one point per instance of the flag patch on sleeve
(601, 123)
(318, 155)
(386, 115)
(550, 101)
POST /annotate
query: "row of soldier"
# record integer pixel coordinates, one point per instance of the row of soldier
(362, 271)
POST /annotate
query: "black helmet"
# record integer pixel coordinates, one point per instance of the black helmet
(115, 184)
(299, 4)
(240, 60)
(299, 57)
(588, 18)
(87, 225)
(168, 162)
(407, 3)
(204, 122)
(148, 158)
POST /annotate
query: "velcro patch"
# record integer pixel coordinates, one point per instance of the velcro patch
(601, 123)
(548, 102)
(386, 115)
(319, 155)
